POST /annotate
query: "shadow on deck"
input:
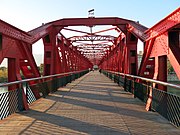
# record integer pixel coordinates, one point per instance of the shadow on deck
(92, 104)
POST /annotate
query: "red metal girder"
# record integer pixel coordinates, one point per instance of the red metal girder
(162, 72)
(39, 32)
(90, 21)
(175, 63)
(96, 55)
(73, 60)
(26, 50)
(14, 75)
(64, 60)
(93, 45)
(131, 53)
(174, 58)
(105, 30)
(58, 60)
(100, 43)
(92, 53)
(27, 65)
(9, 49)
(160, 46)
(146, 55)
(67, 58)
(92, 57)
(12, 72)
(42, 31)
(138, 29)
(52, 62)
(116, 58)
(13, 32)
(123, 28)
(77, 31)
(164, 25)
(92, 38)
(92, 49)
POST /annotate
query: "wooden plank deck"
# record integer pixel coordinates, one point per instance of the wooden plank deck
(92, 104)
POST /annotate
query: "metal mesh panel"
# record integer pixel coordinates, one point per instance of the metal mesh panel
(109, 75)
(141, 91)
(168, 105)
(121, 81)
(73, 77)
(76, 76)
(129, 85)
(116, 78)
(59, 82)
(9, 103)
(30, 96)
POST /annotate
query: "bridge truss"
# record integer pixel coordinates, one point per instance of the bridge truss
(85, 49)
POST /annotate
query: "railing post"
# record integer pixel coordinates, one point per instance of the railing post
(118, 80)
(24, 98)
(114, 77)
(133, 87)
(54, 87)
(20, 99)
(149, 96)
(70, 78)
(125, 79)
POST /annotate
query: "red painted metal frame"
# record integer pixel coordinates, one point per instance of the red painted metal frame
(92, 38)
(14, 33)
(123, 56)
(117, 54)
(159, 43)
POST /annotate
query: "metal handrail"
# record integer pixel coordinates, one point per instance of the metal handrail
(39, 78)
(147, 79)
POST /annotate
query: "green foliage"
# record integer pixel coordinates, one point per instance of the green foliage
(41, 68)
(169, 67)
(3, 74)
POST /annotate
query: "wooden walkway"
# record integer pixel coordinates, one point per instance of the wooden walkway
(92, 104)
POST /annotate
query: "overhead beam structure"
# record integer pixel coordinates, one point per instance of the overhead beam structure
(87, 48)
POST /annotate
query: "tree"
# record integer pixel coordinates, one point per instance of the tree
(3, 74)
(41, 68)
(169, 67)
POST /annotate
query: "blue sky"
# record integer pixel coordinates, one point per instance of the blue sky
(28, 14)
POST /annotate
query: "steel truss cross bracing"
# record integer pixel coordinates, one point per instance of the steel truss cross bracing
(79, 52)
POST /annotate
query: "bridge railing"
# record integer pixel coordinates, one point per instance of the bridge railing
(165, 103)
(23, 95)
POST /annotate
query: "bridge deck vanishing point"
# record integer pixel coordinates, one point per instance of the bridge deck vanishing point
(92, 104)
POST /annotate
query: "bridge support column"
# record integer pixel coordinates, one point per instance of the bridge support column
(12, 71)
(14, 75)
(174, 49)
(162, 71)
(131, 55)
(63, 54)
(51, 54)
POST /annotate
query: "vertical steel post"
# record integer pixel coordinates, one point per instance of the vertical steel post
(12, 73)
(162, 75)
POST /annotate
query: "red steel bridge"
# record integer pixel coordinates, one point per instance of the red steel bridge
(68, 58)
